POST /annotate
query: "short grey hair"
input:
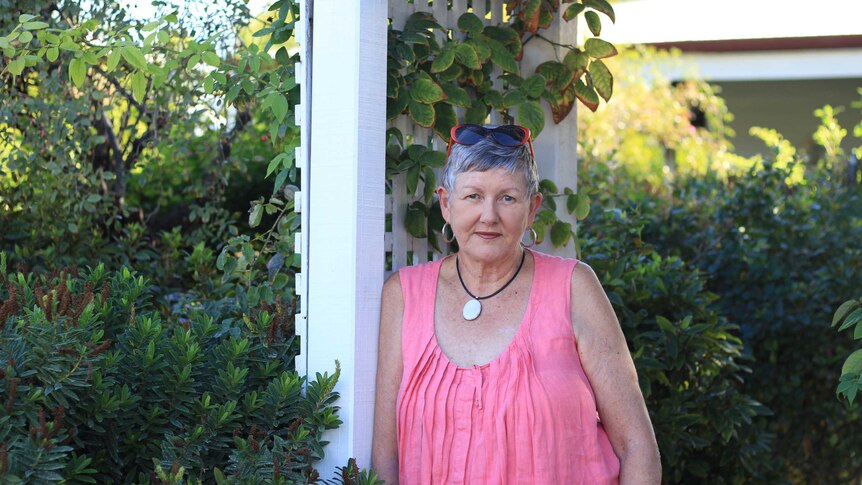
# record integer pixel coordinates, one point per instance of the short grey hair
(489, 155)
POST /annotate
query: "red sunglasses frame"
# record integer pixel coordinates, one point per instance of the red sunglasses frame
(453, 138)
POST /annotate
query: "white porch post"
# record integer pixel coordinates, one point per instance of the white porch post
(557, 146)
(345, 212)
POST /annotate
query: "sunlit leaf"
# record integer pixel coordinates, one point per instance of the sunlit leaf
(593, 22)
(602, 6)
(602, 78)
(599, 49)
(573, 11)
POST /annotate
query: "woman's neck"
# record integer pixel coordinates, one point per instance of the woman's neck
(483, 277)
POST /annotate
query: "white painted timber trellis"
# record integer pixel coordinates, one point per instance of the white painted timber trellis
(343, 203)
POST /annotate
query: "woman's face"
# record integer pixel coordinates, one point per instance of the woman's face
(489, 212)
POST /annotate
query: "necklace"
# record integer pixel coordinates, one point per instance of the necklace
(473, 307)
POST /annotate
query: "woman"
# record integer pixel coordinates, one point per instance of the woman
(500, 364)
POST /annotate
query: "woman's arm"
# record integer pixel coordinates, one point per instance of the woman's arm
(384, 447)
(609, 367)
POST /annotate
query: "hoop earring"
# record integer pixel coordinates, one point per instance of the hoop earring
(533, 238)
(443, 233)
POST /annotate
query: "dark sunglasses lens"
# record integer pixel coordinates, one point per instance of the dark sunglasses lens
(509, 135)
(470, 134)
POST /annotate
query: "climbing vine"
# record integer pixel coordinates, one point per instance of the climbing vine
(433, 75)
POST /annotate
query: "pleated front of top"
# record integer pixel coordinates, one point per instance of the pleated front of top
(528, 416)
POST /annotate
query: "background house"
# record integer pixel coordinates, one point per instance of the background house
(775, 61)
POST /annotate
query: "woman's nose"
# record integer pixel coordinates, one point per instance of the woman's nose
(489, 212)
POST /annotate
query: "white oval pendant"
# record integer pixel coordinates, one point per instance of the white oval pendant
(472, 309)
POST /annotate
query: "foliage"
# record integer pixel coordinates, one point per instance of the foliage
(98, 387)
(657, 130)
(779, 274)
(101, 107)
(689, 358)
(849, 316)
(435, 77)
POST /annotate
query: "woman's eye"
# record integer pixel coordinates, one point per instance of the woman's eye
(508, 198)
(473, 196)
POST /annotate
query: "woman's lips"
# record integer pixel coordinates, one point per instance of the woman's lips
(487, 235)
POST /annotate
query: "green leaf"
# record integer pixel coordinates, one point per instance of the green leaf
(599, 49)
(571, 202)
(603, 80)
(16, 67)
(843, 310)
(577, 61)
(422, 114)
(414, 220)
(587, 95)
(583, 208)
(430, 182)
(426, 92)
(467, 56)
(276, 163)
(664, 324)
(513, 99)
(534, 86)
(52, 54)
(255, 215)
(444, 119)
(852, 319)
(35, 25)
(433, 159)
(219, 476)
(278, 103)
(594, 23)
(139, 86)
(471, 24)
(211, 58)
(413, 179)
(573, 11)
(501, 56)
(444, 59)
(457, 96)
(280, 179)
(602, 6)
(193, 61)
(477, 113)
(113, 60)
(853, 364)
(25, 37)
(493, 99)
(77, 72)
(530, 115)
(560, 233)
(548, 186)
(134, 57)
(25, 17)
(163, 37)
(396, 106)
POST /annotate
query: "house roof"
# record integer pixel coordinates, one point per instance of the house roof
(684, 21)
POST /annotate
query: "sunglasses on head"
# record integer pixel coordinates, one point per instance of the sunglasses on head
(505, 135)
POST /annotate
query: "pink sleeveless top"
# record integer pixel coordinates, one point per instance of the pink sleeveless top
(529, 416)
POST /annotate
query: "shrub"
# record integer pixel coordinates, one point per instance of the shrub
(782, 251)
(689, 357)
(98, 387)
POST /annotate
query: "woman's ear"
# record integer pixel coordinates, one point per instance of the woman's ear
(443, 197)
(535, 204)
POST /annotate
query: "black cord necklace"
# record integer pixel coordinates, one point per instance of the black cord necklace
(473, 307)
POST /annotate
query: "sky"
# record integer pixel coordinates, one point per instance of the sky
(675, 20)
(144, 8)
